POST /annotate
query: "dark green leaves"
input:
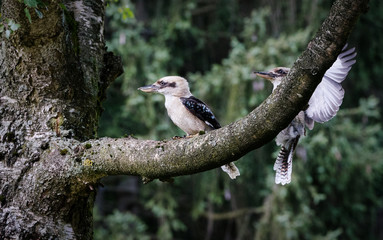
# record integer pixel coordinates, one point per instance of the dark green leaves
(28, 14)
(35, 4)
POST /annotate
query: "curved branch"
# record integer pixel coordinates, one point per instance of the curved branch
(163, 159)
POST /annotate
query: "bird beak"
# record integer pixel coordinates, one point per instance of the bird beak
(266, 75)
(149, 88)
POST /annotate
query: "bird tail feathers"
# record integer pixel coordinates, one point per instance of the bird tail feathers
(284, 163)
(231, 170)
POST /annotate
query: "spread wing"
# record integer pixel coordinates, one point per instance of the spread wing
(328, 96)
(200, 110)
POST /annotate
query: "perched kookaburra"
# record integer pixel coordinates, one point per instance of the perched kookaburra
(323, 105)
(186, 111)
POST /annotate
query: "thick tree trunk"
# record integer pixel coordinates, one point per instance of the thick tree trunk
(53, 76)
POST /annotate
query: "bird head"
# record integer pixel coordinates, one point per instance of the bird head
(170, 85)
(275, 75)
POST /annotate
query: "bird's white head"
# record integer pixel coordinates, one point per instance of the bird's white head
(275, 75)
(170, 85)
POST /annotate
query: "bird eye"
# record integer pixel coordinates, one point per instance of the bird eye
(162, 83)
(280, 71)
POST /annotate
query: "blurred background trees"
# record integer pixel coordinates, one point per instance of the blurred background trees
(216, 44)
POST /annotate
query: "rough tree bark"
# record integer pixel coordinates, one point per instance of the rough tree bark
(53, 76)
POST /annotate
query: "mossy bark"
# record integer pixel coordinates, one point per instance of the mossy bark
(53, 76)
(54, 73)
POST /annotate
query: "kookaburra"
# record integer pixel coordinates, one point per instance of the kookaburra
(186, 111)
(322, 106)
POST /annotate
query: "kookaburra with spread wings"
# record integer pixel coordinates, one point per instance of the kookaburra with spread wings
(323, 105)
(186, 111)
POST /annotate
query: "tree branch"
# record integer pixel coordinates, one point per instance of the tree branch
(164, 159)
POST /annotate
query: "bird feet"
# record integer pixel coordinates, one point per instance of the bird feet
(189, 136)
(178, 137)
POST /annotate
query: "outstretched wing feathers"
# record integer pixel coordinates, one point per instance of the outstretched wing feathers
(328, 96)
(200, 110)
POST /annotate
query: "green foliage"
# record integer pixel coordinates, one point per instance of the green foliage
(120, 226)
(28, 14)
(164, 207)
(232, 84)
(108, 2)
(126, 12)
(35, 5)
(368, 71)
(143, 64)
(335, 192)
(151, 59)
(8, 27)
